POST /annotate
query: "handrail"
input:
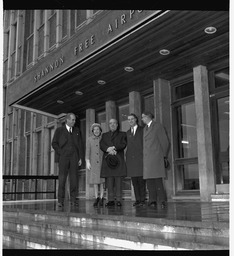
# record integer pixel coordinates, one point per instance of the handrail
(16, 178)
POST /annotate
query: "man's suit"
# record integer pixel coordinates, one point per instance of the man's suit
(134, 161)
(69, 150)
(117, 139)
(155, 147)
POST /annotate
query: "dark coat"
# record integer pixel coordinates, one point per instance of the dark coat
(155, 147)
(134, 153)
(118, 139)
(61, 138)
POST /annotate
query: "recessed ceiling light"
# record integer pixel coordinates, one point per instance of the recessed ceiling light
(60, 101)
(102, 82)
(210, 30)
(129, 69)
(78, 93)
(164, 52)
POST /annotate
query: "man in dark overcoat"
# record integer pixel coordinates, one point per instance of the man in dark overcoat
(68, 148)
(113, 167)
(155, 148)
(134, 159)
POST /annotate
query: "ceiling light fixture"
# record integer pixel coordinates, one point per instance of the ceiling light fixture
(60, 101)
(164, 52)
(210, 30)
(129, 69)
(78, 93)
(101, 82)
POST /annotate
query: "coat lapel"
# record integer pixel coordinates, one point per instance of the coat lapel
(147, 131)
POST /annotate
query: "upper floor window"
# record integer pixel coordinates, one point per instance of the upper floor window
(52, 28)
(40, 31)
(64, 23)
(29, 34)
(80, 16)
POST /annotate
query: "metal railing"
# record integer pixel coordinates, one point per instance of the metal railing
(16, 185)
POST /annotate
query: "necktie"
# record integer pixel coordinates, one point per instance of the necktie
(132, 131)
(70, 130)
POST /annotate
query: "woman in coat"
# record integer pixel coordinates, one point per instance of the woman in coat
(93, 159)
(155, 148)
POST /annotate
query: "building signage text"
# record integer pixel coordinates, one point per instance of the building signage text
(114, 26)
(49, 68)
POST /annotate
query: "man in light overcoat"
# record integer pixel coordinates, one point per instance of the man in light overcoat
(155, 148)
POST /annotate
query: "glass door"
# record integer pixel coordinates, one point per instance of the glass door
(185, 139)
(220, 122)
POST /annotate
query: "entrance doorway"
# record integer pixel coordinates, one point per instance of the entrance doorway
(220, 119)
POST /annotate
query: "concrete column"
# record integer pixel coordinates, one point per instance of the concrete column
(162, 112)
(204, 140)
(90, 119)
(110, 112)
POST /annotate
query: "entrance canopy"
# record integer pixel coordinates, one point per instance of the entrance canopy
(166, 47)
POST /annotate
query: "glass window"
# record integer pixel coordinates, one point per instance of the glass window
(189, 175)
(39, 156)
(64, 23)
(52, 29)
(10, 125)
(123, 118)
(38, 120)
(222, 78)
(28, 121)
(12, 65)
(149, 103)
(101, 119)
(80, 17)
(51, 153)
(28, 154)
(223, 123)
(187, 139)
(184, 90)
(29, 26)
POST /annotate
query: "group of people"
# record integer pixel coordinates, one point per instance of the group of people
(138, 153)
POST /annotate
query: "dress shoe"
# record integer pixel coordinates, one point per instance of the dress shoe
(110, 203)
(60, 204)
(142, 203)
(101, 202)
(74, 204)
(153, 204)
(136, 203)
(163, 205)
(95, 204)
(119, 203)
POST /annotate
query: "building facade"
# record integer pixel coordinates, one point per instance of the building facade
(106, 64)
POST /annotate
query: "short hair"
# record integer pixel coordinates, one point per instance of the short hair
(68, 115)
(132, 114)
(148, 113)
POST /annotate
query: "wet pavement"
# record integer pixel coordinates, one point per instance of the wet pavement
(187, 211)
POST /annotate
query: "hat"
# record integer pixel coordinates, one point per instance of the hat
(96, 125)
(112, 161)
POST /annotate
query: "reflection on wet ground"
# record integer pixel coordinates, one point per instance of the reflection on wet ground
(188, 211)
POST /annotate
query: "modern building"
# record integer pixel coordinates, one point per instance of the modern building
(101, 64)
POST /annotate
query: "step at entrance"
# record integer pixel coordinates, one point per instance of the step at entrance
(57, 230)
